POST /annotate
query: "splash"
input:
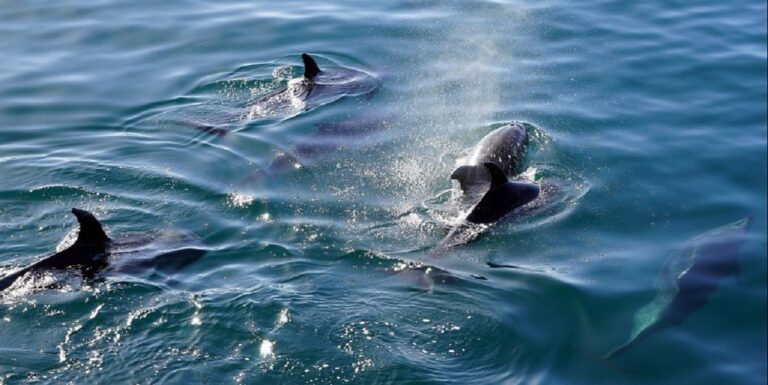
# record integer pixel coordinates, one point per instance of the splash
(287, 103)
(239, 200)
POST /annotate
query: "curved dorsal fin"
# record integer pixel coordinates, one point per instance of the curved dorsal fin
(466, 175)
(310, 67)
(90, 228)
(497, 176)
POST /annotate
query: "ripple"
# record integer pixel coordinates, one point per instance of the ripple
(648, 124)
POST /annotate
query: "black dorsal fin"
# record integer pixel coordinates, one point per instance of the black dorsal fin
(90, 228)
(497, 176)
(310, 67)
(466, 175)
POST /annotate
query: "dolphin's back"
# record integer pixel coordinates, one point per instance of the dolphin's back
(504, 146)
(8, 280)
(89, 251)
(715, 256)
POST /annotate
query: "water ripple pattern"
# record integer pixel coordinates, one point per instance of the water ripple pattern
(177, 120)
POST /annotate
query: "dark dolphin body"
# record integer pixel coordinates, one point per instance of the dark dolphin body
(503, 197)
(688, 280)
(314, 88)
(212, 115)
(329, 138)
(92, 250)
(320, 85)
(88, 253)
(504, 146)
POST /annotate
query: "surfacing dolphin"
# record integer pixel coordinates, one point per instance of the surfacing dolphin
(222, 106)
(504, 146)
(315, 87)
(88, 253)
(91, 252)
(687, 281)
(503, 197)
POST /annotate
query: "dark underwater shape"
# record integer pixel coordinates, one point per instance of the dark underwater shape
(426, 277)
(93, 251)
(330, 137)
(504, 146)
(687, 281)
(334, 137)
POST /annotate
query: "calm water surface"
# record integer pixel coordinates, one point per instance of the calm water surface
(652, 115)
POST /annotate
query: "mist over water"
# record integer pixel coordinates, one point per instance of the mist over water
(647, 124)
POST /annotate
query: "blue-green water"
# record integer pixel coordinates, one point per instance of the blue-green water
(653, 114)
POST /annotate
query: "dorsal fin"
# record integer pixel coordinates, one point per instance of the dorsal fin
(310, 67)
(90, 228)
(467, 176)
(497, 176)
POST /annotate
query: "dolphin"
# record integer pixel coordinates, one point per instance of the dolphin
(504, 146)
(330, 137)
(207, 112)
(687, 281)
(503, 197)
(88, 253)
(315, 87)
(92, 250)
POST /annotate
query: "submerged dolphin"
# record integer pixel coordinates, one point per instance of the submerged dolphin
(329, 138)
(504, 146)
(91, 251)
(503, 197)
(314, 87)
(687, 281)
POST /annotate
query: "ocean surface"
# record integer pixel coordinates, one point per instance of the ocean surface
(651, 117)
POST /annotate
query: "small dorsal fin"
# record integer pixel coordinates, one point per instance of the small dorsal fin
(310, 67)
(466, 176)
(90, 228)
(497, 176)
